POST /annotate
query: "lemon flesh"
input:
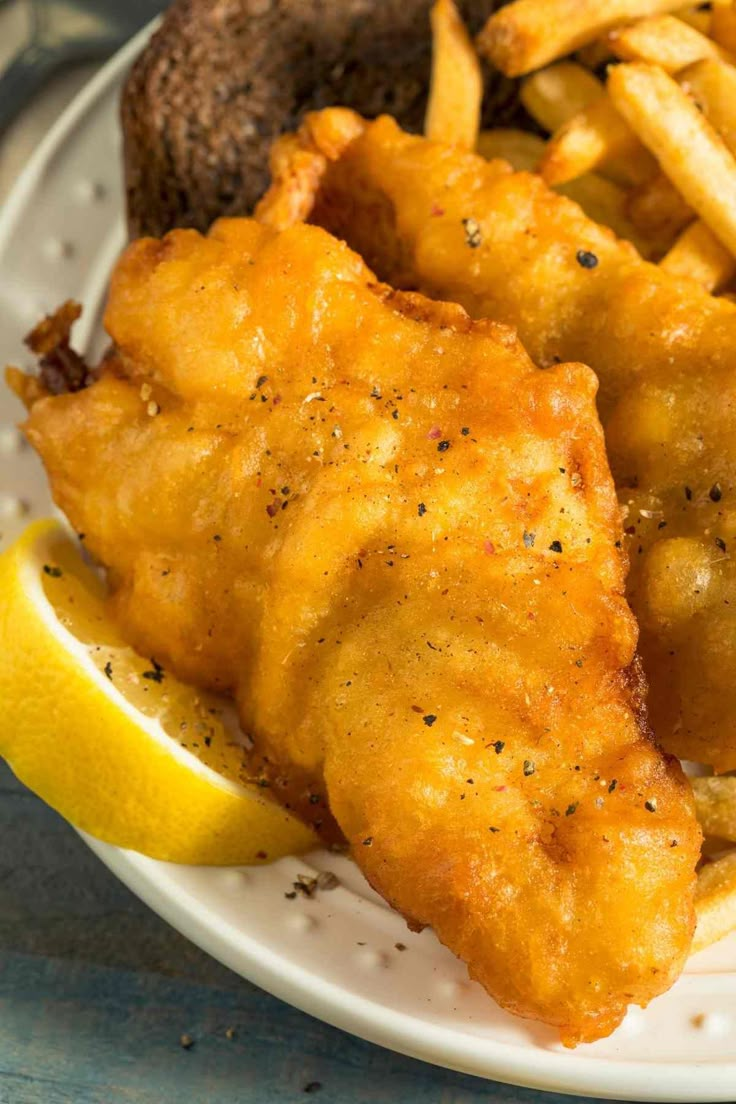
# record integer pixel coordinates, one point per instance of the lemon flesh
(109, 739)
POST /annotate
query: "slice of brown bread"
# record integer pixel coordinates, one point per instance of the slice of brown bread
(222, 78)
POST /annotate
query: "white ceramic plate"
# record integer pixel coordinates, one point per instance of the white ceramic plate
(335, 955)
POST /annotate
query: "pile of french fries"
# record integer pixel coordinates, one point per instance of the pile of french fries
(649, 151)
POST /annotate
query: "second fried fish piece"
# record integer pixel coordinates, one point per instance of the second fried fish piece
(503, 245)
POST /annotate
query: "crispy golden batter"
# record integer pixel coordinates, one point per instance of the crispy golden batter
(506, 247)
(397, 542)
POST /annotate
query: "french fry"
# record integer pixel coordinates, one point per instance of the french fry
(657, 210)
(697, 253)
(723, 26)
(715, 901)
(520, 148)
(596, 136)
(663, 40)
(556, 94)
(689, 150)
(456, 87)
(712, 84)
(715, 806)
(529, 34)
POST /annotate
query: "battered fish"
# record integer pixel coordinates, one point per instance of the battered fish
(506, 247)
(397, 542)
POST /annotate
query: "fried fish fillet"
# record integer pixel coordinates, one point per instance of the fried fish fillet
(506, 247)
(397, 543)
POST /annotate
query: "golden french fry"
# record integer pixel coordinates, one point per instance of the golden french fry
(715, 806)
(456, 87)
(712, 84)
(689, 150)
(596, 136)
(723, 26)
(698, 253)
(556, 94)
(528, 34)
(663, 40)
(715, 901)
(520, 148)
(657, 210)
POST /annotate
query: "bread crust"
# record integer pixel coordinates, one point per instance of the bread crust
(222, 78)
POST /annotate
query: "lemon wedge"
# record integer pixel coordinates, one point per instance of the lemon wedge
(109, 739)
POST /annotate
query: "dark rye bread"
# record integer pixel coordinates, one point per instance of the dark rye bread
(222, 78)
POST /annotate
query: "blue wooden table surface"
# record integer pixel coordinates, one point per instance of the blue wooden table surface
(96, 992)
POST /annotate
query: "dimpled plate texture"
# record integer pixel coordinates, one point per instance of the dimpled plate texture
(342, 954)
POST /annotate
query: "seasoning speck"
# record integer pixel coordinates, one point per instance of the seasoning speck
(326, 880)
(443, 446)
(586, 259)
(400, 946)
(556, 546)
(429, 719)
(108, 670)
(529, 768)
(491, 828)
(186, 1042)
(571, 808)
(312, 1086)
(473, 235)
(720, 543)
(53, 571)
(612, 785)
(498, 746)
(368, 841)
(421, 509)
(651, 805)
(715, 493)
(529, 539)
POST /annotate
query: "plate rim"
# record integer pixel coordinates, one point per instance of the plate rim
(538, 1069)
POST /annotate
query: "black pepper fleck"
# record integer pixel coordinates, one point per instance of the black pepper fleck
(429, 719)
(529, 768)
(556, 546)
(586, 259)
(715, 493)
(443, 446)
